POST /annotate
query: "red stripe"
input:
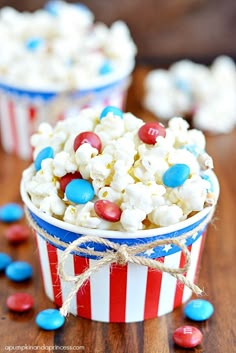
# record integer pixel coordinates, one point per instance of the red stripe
(56, 283)
(83, 296)
(153, 290)
(118, 286)
(11, 111)
(203, 237)
(32, 113)
(179, 291)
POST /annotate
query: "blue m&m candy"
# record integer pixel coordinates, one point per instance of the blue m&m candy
(11, 212)
(34, 44)
(50, 319)
(5, 260)
(176, 175)
(45, 153)
(19, 271)
(113, 110)
(79, 191)
(198, 310)
(106, 68)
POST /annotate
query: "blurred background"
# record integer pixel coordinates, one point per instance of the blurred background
(165, 31)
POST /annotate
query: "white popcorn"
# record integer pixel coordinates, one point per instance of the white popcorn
(53, 205)
(64, 163)
(166, 215)
(131, 219)
(207, 94)
(127, 172)
(192, 194)
(70, 48)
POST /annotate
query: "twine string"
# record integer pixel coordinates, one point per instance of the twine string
(119, 254)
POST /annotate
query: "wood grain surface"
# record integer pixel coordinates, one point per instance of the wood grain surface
(217, 275)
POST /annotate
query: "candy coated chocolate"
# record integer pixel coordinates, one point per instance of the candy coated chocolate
(187, 336)
(34, 44)
(19, 271)
(107, 210)
(106, 68)
(20, 302)
(45, 153)
(88, 137)
(110, 109)
(17, 233)
(5, 260)
(50, 319)
(79, 191)
(11, 212)
(66, 179)
(149, 132)
(176, 175)
(198, 310)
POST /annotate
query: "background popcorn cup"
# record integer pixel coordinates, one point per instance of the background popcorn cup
(22, 110)
(118, 293)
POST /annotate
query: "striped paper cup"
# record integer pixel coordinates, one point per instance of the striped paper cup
(22, 110)
(118, 293)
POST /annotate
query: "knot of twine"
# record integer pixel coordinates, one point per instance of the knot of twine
(119, 254)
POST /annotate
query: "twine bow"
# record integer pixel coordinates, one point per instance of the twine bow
(121, 255)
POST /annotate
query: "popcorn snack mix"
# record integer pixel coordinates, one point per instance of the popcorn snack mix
(57, 60)
(110, 175)
(205, 94)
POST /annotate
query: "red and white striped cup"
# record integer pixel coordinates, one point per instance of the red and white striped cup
(22, 110)
(118, 293)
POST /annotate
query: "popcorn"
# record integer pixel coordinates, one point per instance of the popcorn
(61, 48)
(207, 94)
(127, 172)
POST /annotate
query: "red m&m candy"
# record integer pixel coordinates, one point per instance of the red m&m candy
(17, 233)
(67, 178)
(20, 302)
(187, 336)
(107, 210)
(88, 137)
(149, 132)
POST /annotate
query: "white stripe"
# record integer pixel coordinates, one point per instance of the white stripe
(66, 287)
(136, 292)
(6, 132)
(195, 252)
(23, 129)
(100, 296)
(44, 261)
(168, 285)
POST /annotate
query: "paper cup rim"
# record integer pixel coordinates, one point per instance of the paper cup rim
(99, 83)
(114, 234)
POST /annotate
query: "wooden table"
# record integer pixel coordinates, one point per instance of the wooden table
(217, 276)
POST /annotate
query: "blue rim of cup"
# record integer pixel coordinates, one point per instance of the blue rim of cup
(67, 233)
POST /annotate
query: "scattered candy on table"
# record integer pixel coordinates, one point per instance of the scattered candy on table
(5, 260)
(17, 233)
(50, 319)
(198, 310)
(20, 302)
(19, 271)
(187, 336)
(11, 212)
